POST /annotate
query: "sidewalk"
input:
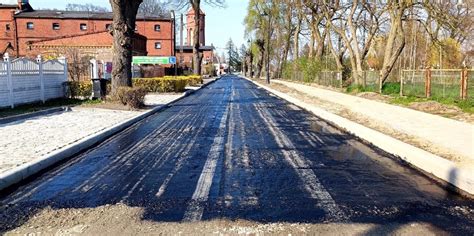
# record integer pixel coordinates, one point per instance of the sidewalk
(455, 136)
(25, 140)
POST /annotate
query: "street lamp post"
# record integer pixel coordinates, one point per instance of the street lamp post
(174, 43)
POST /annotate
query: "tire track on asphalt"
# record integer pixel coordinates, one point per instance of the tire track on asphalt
(181, 160)
(311, 182)
(195, 208)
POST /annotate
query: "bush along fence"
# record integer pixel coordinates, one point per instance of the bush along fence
(430, 83)
(26, 81)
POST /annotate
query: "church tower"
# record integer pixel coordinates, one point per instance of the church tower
(190, 28)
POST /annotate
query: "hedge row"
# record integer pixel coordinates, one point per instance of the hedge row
(193, 80)
(75, 89)
(167, 84)
(83, 89)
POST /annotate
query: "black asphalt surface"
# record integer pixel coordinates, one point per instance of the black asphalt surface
(234, 151)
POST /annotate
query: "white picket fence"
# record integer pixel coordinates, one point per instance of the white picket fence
(26, 81)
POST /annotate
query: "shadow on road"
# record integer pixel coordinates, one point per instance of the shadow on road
(276, 164)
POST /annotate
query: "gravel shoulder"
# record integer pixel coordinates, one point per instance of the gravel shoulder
(128, 221)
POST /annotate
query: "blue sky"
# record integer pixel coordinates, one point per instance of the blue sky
(221, 23)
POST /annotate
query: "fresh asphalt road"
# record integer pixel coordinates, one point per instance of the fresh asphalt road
(234, 151)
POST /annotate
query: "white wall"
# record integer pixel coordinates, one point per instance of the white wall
(26, 81)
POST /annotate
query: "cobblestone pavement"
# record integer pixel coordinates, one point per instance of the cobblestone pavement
(25, 140)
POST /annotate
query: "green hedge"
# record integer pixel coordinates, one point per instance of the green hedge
(78, 89)
(167, 84)
(192, 80)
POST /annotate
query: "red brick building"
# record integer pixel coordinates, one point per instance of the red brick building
(29, 32)
(26, 31)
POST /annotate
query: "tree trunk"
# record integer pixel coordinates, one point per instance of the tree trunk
(391, 55)
(286, 48)
(244, 64)
(124, 17)
(197, 56)
(296, 42)
(261, 47)
(250, 64)
(335, 54)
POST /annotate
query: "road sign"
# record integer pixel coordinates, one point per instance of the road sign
(173, 60)
(138, 60)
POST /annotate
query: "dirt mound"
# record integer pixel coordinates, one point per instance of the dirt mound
(373, 96)
(434, 107)
(448, 111)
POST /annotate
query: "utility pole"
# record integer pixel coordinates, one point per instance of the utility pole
(181, 40)
(174, 43)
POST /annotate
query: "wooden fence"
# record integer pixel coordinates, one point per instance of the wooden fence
(26, 81)
(446, 83)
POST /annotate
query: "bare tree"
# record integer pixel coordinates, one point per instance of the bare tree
(78, 63)
(152, 8)
(124, 19)
(356, 22)
(396, 11)
(85, 7)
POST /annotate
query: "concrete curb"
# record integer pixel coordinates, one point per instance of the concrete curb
(445, 170)
(26, 170)
(32, 114)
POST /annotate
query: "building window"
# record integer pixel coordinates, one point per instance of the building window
(30, 25)
(158, 28)
(83, 27)
(158, 45)
(56, 26)
(7, 27)
(108, 26)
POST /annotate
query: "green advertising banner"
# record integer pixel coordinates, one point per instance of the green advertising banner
(139, 60)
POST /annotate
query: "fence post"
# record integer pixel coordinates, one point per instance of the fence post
(380, 84)
(401, 84)
(339, 77)
(463, 89)
(64, 61)
(364, 76)
(428, 82)
(466, 84)
(8, 64)
(39, 60)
